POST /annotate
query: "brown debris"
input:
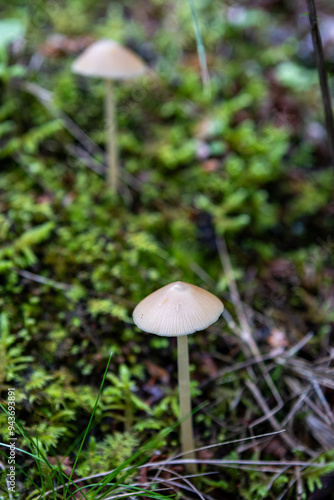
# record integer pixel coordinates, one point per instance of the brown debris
(58, 45)
(211, 165)
(281, 268)
(285, 110)
(276, 448)
(157, 372)
(67, 464)
(277, 338)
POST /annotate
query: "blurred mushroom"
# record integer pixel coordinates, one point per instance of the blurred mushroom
(108, 60)
(176, 310)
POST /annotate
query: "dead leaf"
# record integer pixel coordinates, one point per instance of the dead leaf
(157, 372)
(58, 45)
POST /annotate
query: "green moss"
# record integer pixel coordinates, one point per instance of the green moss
(75, 259)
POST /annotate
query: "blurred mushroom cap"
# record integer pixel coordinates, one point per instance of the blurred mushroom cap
(109, 60)
(177, 309)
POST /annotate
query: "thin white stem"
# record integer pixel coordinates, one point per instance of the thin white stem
(111, 128)
(187, 435)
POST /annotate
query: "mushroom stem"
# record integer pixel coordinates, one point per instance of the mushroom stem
(112, 156)
(187, 435)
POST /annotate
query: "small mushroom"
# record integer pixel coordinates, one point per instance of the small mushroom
(176, 310)
(108, 60)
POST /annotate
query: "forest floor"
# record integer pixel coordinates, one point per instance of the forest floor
(226, 182)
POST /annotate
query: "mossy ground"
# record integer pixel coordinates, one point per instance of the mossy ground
(243, 161)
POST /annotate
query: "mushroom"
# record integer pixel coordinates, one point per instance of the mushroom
(176, 310)
(108, 60)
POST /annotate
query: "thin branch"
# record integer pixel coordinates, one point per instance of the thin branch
(324, 402)
(241, 366)
(246, 333)
(45, 97)
(44, 281)
(320, 61)
(292, 443)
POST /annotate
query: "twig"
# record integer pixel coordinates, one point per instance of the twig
(322, 432)
(83, 155)
(297, 347)
(319, 58)
(318, 411)
(66, 287)
(324, 376)
(323, 401)
(191, 487)
(201, 273)
(44, 281)
(297, 405)
(274, 477)
(299, 483)
(45, 97)
(292, 443)
(246, 333)
(241, 366)
(226, 263)
(304, 398)
(99, 168)
(270, 465)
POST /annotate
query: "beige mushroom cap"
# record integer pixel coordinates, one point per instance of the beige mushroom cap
(177, 309)
(107, 59)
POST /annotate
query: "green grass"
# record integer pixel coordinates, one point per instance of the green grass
(54, 482)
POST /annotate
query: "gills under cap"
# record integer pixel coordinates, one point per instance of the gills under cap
(107, 59)
(177, 309)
